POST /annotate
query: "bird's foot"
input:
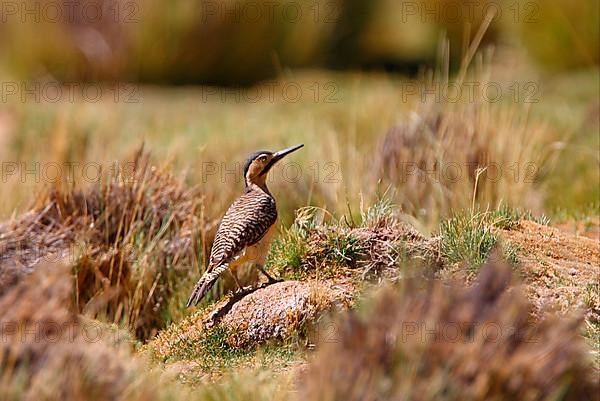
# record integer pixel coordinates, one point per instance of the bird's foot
(272, 280)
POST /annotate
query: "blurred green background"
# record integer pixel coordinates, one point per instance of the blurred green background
(351, 59)
(232, 42)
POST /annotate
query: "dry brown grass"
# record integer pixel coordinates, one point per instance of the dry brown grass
(47, 353)
(451, 155)
(132, 241)
(354, 148)
(427, 341)
(433, 341)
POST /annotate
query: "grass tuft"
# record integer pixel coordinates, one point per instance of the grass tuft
(313, 247)
(469, 237)
(506, 217)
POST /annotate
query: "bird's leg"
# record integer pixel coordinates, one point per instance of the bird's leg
(271, 279)
(237, 282)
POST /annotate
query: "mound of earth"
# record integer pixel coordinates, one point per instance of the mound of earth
(588, 227)
(560, 269)
(277, 311)
(256, 316)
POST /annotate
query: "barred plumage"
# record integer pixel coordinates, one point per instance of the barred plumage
(243, 234)
(245, 223)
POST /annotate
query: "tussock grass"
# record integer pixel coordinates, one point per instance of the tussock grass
(62, 358)
(370, 353)
(470, 236)
(450, 155)
(467, 238)
(132, 241)
(430, 341)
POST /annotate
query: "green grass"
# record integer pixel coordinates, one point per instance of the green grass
(470, 237)
(587, 212)
(379, 213)
(506, 217)
(287, 253)
(213, 349)
(467, 237)
(209, 354)
(312, 244)
(320, 243)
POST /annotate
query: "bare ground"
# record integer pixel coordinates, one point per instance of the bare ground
(560, 269)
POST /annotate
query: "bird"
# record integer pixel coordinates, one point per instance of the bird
(245, 232)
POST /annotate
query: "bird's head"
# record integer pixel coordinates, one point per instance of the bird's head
(258, 164)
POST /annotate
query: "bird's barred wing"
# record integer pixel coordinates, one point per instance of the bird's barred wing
(244, 224)
(246, 221)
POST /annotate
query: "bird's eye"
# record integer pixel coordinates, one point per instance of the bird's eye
(263, 158)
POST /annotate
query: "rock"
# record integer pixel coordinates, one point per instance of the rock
(274, 312)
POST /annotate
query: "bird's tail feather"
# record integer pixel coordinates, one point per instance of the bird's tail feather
(204, 285)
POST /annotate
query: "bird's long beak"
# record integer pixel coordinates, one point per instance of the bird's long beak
(278, 156)
(282, 153)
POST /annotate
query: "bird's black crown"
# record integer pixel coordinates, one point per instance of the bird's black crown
(251, 157)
